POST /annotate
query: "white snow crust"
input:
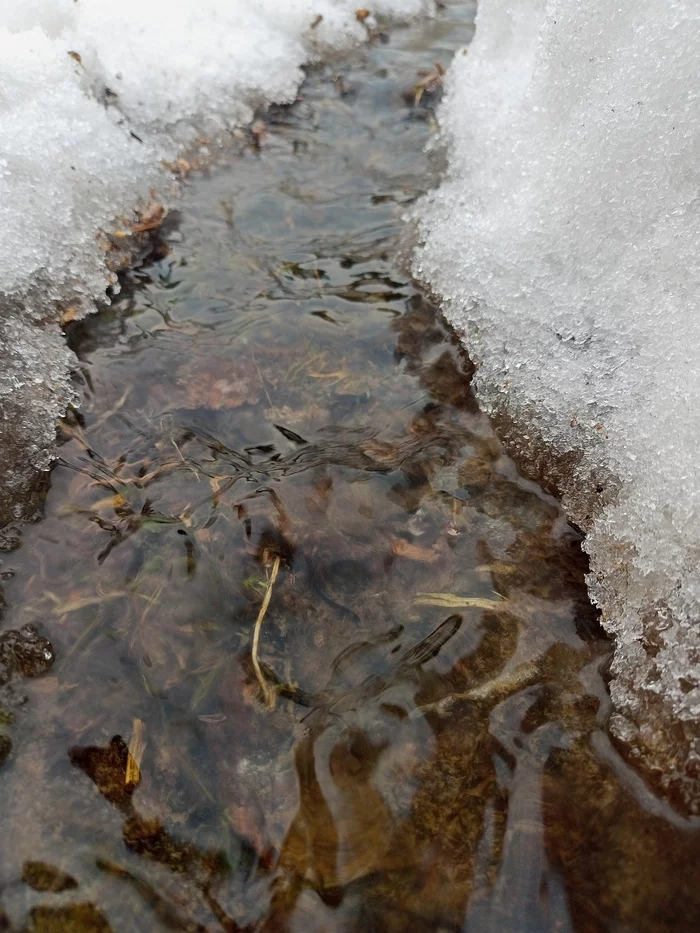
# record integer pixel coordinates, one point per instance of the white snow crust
(80, 80)
(565, 241)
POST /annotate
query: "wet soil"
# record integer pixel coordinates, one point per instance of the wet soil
(305, 651)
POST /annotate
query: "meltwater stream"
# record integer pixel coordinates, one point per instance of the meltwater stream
(294, 645)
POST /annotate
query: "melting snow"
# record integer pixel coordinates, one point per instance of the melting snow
(566, 244)
(93, 96)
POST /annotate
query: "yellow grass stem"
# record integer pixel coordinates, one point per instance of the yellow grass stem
(267, 692)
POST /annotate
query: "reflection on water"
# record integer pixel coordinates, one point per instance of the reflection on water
(305, 652)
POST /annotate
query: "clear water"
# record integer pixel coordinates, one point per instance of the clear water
(411, 736)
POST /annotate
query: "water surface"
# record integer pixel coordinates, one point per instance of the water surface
(306, 652)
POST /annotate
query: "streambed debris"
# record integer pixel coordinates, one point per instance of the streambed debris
(430, 81)
(450, 601)
(150, 218)
(268, 694)
(135, 752)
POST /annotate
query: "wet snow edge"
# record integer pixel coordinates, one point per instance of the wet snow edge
(564, 243)
(95, 99)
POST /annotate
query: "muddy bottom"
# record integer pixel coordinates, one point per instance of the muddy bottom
(294, 646)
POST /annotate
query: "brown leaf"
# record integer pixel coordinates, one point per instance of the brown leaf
(401, 548)
(41, 876)
(70, 314)
(137, 746)
(152, 217)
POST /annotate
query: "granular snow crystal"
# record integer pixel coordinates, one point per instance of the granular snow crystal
(565, 243)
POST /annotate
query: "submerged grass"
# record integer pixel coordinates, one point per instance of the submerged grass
(268, 694)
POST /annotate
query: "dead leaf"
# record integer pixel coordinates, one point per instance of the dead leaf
(70, 314)
(137, 746)
(152, 217)
(430, 81)
(401, 548)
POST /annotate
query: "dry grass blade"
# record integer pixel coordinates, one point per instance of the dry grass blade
(73, 605)
(105, 416)
(267, 692)
(430, 80)
(450, 601)
(493, 691)
(205, 685)
(137, 746)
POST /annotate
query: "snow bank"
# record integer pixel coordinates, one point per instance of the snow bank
(93, 96)
(566, 244)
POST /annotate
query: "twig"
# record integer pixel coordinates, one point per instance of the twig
(267, 693)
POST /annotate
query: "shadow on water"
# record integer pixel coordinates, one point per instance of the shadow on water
(295, 647)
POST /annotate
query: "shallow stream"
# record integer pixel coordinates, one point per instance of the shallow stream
(305, 651)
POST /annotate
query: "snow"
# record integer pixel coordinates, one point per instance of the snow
(565, 243)
(94, 95)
